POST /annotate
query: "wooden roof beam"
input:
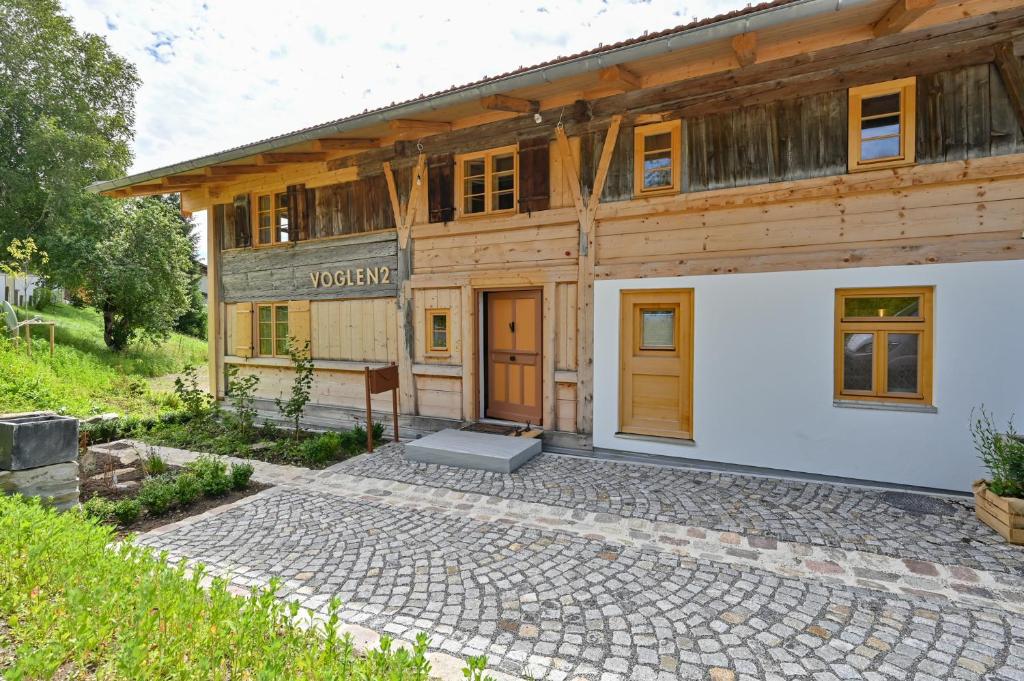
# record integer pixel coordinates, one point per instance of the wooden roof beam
(1012, 73)
(744, 46)
(619, 77)
(240, 169)
(406, 125)
(346, 144)
(900, 15)
(513, 104)
(183, 180)
(293, 157)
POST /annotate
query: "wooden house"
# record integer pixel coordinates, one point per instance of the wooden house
(788, 237)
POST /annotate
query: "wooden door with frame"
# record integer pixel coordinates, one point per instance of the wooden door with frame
(514, 358)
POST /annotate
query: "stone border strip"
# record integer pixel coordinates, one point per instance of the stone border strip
(863, 569)
(852, 568)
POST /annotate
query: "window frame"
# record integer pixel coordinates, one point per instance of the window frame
(906, 88)
(275, 227)
(258, 339)
(487, 156)
(429, 347)
(640, 133)
(880, 328)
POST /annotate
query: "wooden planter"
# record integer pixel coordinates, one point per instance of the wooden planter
(1005, 515)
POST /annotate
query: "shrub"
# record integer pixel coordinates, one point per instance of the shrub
(212, 474)
(155, 465)
(1002, 454)
(240, 475)
(187, 488)
(292, 408)
(117, 611)
(127, 511)
(319, 449)
(157, 495)
(99, 508)
(197, 402)
(242, 392)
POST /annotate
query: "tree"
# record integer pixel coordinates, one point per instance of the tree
(138, 275)
(68, 113)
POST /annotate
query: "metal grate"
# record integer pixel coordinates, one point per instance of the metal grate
(491, 428)
(918, 504)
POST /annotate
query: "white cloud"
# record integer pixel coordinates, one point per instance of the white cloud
(221, 74)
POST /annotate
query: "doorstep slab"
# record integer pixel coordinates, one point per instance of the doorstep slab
(481, 451)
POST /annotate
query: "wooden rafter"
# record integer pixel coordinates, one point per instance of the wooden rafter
(346, 144)
(900, 15)
(183, 180)
(619, 77)
(293, 157)
(405, 215)
(407, 125)
(513, 104)
(1012, 73)
(744, 46)
(240, 169)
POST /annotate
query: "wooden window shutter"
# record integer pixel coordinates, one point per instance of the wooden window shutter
(224, 236)
(243, 225)
(243, 329)
(299, 322)
(534, 175)
(441, 187)
(298, 212)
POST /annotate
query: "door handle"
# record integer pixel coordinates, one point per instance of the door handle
(512, 327)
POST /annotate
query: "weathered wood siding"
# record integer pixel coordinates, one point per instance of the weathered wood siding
(286, 272)
(336, 388)
(364, 330)
(565, 409)
(352, 208)
(439, 396)
(438, 299)
(565, 327)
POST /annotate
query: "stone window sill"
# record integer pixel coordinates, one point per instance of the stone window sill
(886, 406)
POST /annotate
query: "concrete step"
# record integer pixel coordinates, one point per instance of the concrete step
(482, 451)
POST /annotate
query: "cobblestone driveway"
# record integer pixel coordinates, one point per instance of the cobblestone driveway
(567, 603)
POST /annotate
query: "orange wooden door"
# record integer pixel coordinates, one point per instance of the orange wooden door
(514, 356)
(656, 346)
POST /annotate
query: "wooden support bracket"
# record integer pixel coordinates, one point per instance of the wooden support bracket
(405, 125)
(346, 144)
(293, 157)
(900, 15)
(745, 48)
(1012, 73)
(247, 169)
(619, 77)
(513, 104)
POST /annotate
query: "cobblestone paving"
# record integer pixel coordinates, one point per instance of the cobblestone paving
(806, 512)
(560, 606)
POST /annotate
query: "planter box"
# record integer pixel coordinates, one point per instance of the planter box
(36, 440)
(1003, 514)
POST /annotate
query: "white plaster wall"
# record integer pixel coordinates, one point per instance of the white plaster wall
(763, 372)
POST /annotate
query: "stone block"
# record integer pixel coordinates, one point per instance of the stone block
(37, 440)
(482, 451)
(58, 483)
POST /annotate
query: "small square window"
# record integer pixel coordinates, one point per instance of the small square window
(658, 329)
(437, 331)
(882, 125)
(656, 157)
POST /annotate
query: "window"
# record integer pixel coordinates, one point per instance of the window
(882, 124)
(437, 331)
(272, 219)
(487, 181)
(656, 158)
(272, 329)
(883, 344)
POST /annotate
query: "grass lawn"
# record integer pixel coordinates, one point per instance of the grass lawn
(84, 377)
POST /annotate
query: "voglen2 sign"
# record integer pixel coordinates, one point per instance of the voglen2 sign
(361, 276)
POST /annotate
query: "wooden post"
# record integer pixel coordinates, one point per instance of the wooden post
(369, 412)
(394, 411)
(1012, 73)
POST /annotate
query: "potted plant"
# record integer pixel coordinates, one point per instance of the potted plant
(999, 502)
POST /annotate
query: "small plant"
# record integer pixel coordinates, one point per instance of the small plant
(241, 473)
(318, 450)
(293, 407)
(242, 392)
(1002, 453)
(157, 495)
(127, 511)
(187, 488)
(155, 464)
(100, 508)
(197, 402)
(212, 474)
(475, 668)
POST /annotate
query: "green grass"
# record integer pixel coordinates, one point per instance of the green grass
(84, 377)
(77, 606)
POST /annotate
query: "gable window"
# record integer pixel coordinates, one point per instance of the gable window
(272, 329)
(882, 124)
(272, 219)
(656, 158)
(884, 344)
(437, 331)
(487, 181)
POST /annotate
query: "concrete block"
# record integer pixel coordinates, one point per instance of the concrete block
(482, 451)
(37, 440)
(58, 482)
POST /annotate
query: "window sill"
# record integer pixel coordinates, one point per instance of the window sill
(886, 406)
(881, 165)
(685, 441)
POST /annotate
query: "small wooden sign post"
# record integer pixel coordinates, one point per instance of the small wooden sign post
(378, 381)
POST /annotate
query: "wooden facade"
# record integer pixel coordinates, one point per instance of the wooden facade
(385, 245)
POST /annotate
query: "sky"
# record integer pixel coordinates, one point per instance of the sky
(216, 75)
